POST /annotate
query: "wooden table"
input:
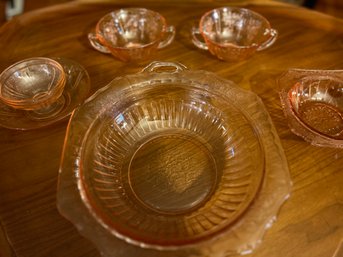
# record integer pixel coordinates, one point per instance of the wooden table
(310, 224)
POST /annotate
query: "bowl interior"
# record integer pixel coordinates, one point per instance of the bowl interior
(130, 28)
(318, 102)
(172, 167)
(31, 82)
(234, 26)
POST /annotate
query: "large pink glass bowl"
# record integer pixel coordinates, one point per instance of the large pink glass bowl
(172, 162)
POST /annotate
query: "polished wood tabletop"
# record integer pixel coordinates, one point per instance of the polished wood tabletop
(310, 223)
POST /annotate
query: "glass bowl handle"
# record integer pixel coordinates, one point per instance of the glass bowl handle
(195, 39)
(95, 43)
(170, 31)
(274, 34)
(169, 67)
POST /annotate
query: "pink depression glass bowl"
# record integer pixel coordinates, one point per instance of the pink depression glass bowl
(132, 34)
(313, 105)
(233, 33)
(172, 162)
(32, 84)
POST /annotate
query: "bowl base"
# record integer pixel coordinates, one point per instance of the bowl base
(172, 172)
(50, 111)
(322, 117)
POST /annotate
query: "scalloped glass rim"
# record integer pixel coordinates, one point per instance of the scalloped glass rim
(242, 237)
(286, 82)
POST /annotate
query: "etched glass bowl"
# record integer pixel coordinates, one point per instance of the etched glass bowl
(160, 170)
(32, 84)
(233, 33)
(313, 104)
(131, 34)
(164, 162)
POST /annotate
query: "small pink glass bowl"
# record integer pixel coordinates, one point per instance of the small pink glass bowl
(233, 34)
(132, 34)
(313, 105)
(32, 84)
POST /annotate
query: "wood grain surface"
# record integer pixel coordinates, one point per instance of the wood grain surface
(310, 224)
